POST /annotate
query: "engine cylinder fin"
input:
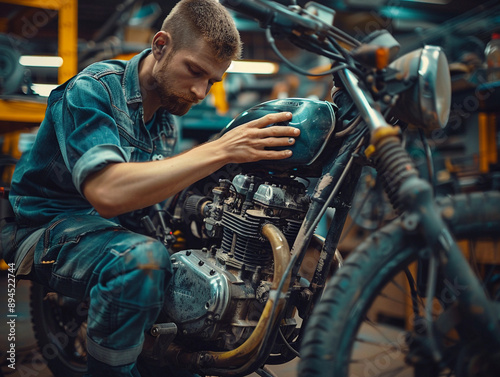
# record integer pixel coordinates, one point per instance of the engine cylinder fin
(242, 240)
(248, 251)
(247, 226)
(291, 230)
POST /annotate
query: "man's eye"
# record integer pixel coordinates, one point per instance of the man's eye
(194, 72)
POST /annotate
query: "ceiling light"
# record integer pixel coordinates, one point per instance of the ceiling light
(253, 67)
(43, 89)
(41, 61)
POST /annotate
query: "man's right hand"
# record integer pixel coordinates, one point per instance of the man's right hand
(251, 141)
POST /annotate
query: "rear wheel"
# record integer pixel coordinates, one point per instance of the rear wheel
(60, 327)
(351, 333)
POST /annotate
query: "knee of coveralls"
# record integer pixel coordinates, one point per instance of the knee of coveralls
(127, 298)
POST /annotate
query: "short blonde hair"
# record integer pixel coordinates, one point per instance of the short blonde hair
(207, 19)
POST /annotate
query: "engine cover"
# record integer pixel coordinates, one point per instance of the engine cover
(200, 294)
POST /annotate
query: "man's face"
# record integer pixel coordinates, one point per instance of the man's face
(185, 77)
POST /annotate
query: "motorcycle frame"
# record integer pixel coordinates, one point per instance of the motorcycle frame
(340, 177)
(335, 189)
(420, 214)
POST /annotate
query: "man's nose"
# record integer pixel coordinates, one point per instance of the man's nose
(200, 89)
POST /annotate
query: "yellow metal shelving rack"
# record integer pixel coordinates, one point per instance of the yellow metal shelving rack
(18, 114)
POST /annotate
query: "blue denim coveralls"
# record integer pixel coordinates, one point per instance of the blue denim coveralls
(92, 120)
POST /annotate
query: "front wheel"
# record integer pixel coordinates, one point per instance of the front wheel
(350, 332)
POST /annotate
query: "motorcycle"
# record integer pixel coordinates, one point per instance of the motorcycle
(241, 296)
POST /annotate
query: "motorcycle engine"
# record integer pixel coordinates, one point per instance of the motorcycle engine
(217, 294)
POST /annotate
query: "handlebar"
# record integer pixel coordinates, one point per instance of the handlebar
(273, 14)
(311, 28)
(285, 20)
(251, 9)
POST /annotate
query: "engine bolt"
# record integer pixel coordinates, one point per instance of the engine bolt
(212, 272)
(188, 253)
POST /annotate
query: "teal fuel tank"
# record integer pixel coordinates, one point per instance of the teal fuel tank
(314, 118)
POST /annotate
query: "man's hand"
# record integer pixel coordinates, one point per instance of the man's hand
(250, 141)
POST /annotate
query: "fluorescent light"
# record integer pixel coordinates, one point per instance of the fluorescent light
(253, 67)
(41, 61)
(43, 89)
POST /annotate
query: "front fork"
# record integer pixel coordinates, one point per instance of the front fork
(413, 197)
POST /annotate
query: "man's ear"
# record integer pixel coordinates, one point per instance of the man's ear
(160, 44)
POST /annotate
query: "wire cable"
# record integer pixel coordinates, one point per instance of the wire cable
(303, 71)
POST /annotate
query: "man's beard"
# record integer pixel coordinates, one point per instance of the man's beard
(174, 103)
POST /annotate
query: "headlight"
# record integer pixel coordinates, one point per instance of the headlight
(427, 103)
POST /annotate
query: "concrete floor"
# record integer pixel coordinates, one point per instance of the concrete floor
(29, 361)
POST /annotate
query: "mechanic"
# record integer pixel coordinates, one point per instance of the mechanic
(105, 149)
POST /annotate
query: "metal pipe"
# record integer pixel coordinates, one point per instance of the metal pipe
(246, 351)
(365, 104)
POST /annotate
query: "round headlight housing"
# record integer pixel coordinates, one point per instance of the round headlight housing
(427, 103)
